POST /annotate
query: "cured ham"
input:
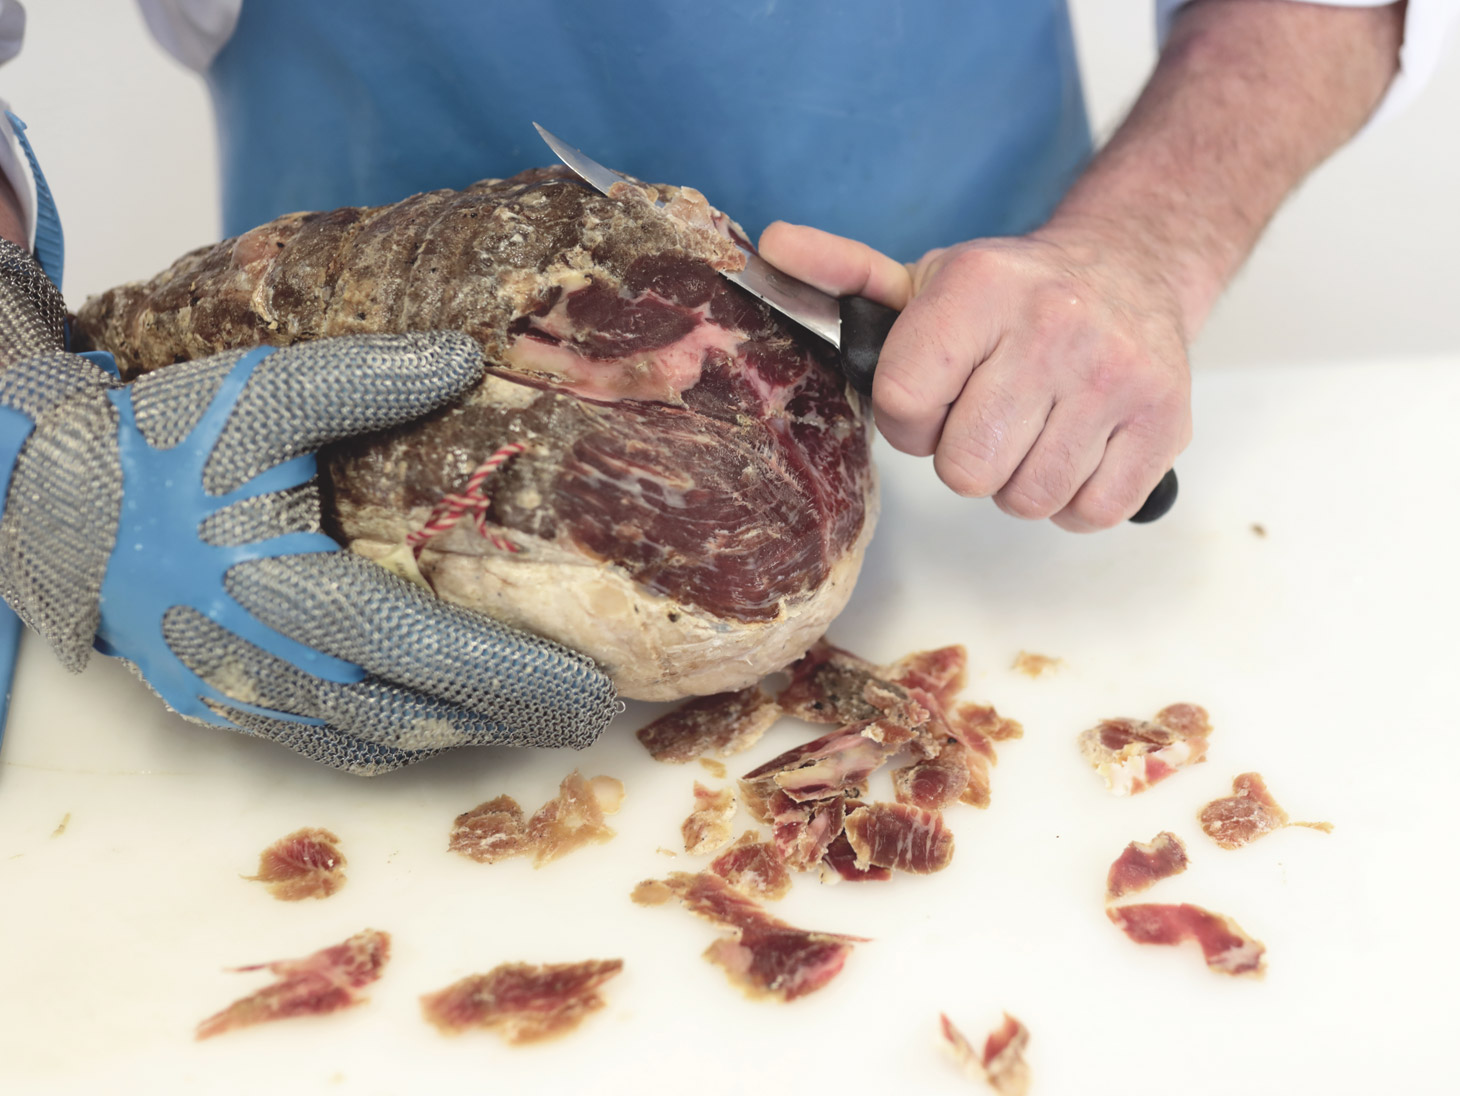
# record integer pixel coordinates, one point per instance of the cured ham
(695, 492)
(764, 956)
(327, 981)
(1141, 865)
(708, 828)
(754, 867)
(900, 837)
(304, 864)
(1133, 754)
(724, 724)
(1247, 814)
(1225, 946)
(497, 829)
(522, 1002)
(1000, 1064)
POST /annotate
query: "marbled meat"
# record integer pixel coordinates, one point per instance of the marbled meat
(1225, 946)
(328, 980)
(696, 492)
(1247, 814)
(765, 956)
(900, 837)
(304, 864)
(523, 1002)
(1142, 866)
(1132, 754)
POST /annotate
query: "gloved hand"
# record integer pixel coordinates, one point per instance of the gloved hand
(175, 523)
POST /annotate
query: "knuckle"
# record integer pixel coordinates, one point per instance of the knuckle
(1104, 509)
(968, 467)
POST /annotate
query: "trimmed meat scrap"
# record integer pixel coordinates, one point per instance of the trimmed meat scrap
(495, 830)
(766, 956)
(901, 837)
(1132, 754)
(834, 764)
(803, 831)
(955, 774)
(1001, 1065)
(1141, 866)
(326, 981)
(725, 723)
(707, 829)
(304, 864)
(940, 672)
(1248, 813)
(523, 1002)
(830, 685)
(754, 867)
(1032, 665)
(491, 831)
(1225, 946)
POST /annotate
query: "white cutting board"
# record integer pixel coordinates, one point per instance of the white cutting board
(1326, 653)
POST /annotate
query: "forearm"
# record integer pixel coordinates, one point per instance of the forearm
(12, 221)
(1247, 98)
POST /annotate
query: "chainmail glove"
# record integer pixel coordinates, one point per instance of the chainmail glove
(175, 523)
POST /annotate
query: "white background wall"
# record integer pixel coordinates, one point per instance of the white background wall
(1361, 263)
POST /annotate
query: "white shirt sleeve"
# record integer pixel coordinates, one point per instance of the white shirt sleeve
(1426, 25)
(193, 31)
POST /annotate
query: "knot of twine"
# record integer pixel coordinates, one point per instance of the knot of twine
(472, 500)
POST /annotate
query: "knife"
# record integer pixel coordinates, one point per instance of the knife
(856, 326)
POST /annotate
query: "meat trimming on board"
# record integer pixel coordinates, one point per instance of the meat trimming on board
(1247, 814)
(764, 956)
(1225, 946)
(1000, 1064)
(328, 980)
(522, 1002)
(1141, 866)
(498, 829)
(1132, 754)
(304, 864)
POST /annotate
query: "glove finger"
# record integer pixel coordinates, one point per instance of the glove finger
(300, 397)
(326, 745)
(353, 609)
(372, 711)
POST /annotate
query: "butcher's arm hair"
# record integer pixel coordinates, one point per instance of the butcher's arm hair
(1247, 97)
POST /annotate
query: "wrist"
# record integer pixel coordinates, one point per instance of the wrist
(1134, 255)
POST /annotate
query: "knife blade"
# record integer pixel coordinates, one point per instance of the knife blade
(856, 326)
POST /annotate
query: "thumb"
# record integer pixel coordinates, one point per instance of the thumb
(836, 264)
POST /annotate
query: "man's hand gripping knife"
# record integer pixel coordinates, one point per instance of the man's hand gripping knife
(175, 523)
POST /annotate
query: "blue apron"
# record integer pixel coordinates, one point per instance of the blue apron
(909, 124)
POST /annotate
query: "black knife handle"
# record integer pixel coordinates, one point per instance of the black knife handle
(865, 325)
(1160, 500)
